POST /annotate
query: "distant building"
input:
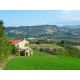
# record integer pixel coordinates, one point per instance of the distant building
(23, 47)
(32, 38)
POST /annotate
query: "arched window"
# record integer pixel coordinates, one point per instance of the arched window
(27, 44)
(17, 45)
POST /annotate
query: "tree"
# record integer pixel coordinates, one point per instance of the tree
(5, 46)
(72, 51)
(62, 43)
(1, 28)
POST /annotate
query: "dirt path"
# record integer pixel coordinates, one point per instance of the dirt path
(3, 64)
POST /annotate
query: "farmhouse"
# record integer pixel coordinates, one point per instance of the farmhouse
(23, 47)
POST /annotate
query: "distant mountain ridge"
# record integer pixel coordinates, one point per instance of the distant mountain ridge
(72, 26)
(43, 31)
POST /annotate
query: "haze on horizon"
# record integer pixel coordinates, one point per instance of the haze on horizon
(40, 17)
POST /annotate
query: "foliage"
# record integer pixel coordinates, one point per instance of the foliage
(44, 41)
(62, 43)
(14, 50)
(1, 28)
(5, 47)
(68, 50)
(72, 51)
(71, 42)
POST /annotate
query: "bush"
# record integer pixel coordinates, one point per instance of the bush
(72, 51)
(44, 41)
(68, 50)
(61, 43)
(59, 51)
(41, 49)
(35, 48)
(48, 50)
(14, 49)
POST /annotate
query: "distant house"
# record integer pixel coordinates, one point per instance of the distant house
(23, 47)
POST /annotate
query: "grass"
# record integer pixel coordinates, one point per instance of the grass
(43, 61)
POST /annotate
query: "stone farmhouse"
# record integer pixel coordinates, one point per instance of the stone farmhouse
(23, 47)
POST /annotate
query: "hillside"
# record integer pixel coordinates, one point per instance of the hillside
(43, 31)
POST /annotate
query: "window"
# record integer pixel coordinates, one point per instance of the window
(17, 45)
(27, 44)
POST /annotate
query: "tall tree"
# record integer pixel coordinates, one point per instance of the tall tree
(4, 45)
(1, 28)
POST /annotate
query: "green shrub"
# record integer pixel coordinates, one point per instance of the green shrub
(35, 48)
(72, 51)
(14, 50)
(41, 49)
(68, 50)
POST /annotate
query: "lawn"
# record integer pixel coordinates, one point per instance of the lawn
(43, 61)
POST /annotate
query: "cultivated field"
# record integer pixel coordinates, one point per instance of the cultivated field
(45, 46)
(77, 46)
(43, 61)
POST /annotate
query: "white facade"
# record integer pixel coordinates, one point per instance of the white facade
(23, 46)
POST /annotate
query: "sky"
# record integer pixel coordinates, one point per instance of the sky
(40, 17)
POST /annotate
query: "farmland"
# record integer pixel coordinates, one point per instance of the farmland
(43, 61)
(45, 46)
(78, 46)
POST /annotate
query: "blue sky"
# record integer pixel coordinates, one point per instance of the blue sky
(39, 17)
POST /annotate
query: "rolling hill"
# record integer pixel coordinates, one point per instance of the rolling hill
(43, 31)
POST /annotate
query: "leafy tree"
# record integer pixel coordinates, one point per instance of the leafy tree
(72, 51)
(1, 28)
(62, 43)
(5, 46)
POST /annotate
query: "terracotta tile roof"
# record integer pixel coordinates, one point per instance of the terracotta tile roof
(14, 41)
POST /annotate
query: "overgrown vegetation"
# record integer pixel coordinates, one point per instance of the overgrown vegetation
(65, 50)
(5, 47)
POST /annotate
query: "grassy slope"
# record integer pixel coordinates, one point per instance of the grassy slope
(43, 61)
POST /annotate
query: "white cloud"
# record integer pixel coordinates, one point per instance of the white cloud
(76, 18)
(70, 15)
(66, 14)
(61, 25)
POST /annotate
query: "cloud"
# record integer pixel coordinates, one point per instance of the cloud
(61, 25)
(76, 18)
(65, 14)
(70, 15)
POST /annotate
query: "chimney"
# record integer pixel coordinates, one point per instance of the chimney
(24, 39)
